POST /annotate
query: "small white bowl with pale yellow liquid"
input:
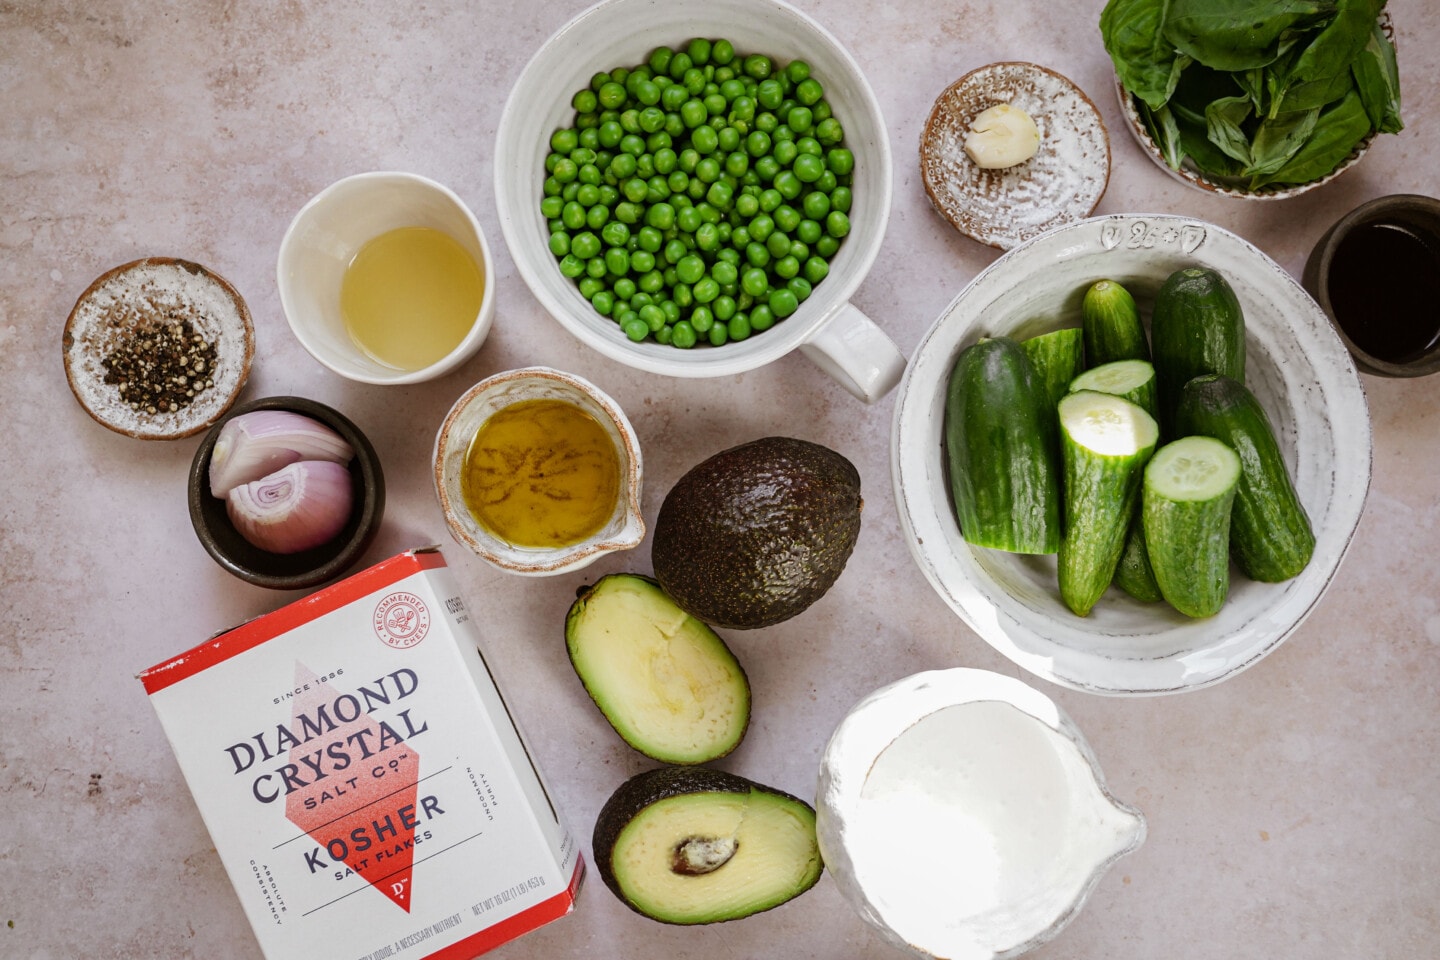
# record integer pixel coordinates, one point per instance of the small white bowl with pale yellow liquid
(384, 278)
(539, 472)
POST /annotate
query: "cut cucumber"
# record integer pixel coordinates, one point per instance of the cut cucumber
(1189, 488)
(1112, 325)
(1105, 443)
(666, 682)
(1270, 534)
(1197, 328)
(1001, 452)
(1058, 357)
(1132, 379)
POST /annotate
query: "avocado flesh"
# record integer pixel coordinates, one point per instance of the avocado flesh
(712, 854)
(757, 533)
(666, 682)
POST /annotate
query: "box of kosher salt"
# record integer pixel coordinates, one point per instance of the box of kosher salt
(361, 777)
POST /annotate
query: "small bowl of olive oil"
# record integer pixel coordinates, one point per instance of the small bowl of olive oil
(539, 472)
(384, 278)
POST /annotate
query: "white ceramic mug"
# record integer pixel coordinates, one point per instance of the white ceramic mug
(614, 33)
(325, 236)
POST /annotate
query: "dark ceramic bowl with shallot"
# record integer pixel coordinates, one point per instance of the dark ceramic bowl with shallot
(286, 493)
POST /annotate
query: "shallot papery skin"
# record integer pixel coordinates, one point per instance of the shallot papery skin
(256, 444)
(300, 506)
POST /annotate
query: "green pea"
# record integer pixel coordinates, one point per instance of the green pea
(573, 215)
(701, 318)
(589, 136)
(789, 185)
(652, 282)
(588, 195)
(724, 307)
(675, 251)
(755, 281)
(673, 97)
(724, 273)
(603, 302)
(690, 269)
(683, 335)
(627, 212)
(837, 224)
(659, 140)
(595, 267)
(596, 217)
(705, 290)
(624, 288)
(827, 246)
(770, 200)
(767, 122)
(758, 65)
(569, 190)
(563, 141)
(688, 219)
(598, 80)
(722, 52)
(809, 231)
(559, 243)
(786, 267)
(617, 261)
(728, 137)
(808, 168)
(762, 317)
(611, 95)
(629, 120)
(782, 132)
(809, 91)
(693, 113)
(829, 132)
(665, 335)
(707, 237)
(642, 261)
(816, 269)
(718, 334)
(661, 216)
(840, 199)
(799, 119)
(769, 94)
(632, 144)
(641, 299)
(756, 253)
(761, 226)
(704, 139)
(742, 109)
(659, 60)
(800, 286)
(550, 207)
(747, 205)
(815, 204)
(821, 109)
(840, 160)
(778, 244)
(636, 329)
(584, 101)
(551, 187)
(787, 218)
(737, 163)
(739, 326)
(572, 266)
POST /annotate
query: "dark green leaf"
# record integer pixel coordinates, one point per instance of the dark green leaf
(1277, 139)
(1161, 125)
(1314, 94)
(1333, 49)
(1240, 34)
(1339, 129)
(1145, 61)
(1224, 120)
(1195, 141)
(1252, 81)
(1378, 80)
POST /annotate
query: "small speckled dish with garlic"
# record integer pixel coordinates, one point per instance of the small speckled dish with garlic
(1004, 205)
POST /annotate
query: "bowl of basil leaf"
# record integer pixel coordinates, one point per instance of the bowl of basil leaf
(1260, 99)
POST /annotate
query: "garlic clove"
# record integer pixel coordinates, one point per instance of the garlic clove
(300, 506)
(1002, 136)
(260, 442)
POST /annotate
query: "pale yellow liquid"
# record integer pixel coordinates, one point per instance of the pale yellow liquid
(409, 297)
(541, 473)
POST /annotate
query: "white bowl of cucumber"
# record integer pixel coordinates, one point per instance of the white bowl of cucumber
(1296, 370)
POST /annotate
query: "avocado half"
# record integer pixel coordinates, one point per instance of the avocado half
(666, 682)
(690, 845)
(757, 533)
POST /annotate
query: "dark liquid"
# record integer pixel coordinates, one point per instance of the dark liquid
(1384, 288)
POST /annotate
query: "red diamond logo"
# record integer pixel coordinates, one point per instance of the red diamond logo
(353, 783)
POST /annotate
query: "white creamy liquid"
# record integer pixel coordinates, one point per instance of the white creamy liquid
(971, 829)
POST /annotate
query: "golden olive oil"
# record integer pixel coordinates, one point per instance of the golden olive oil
(409, 296)
(541, 473)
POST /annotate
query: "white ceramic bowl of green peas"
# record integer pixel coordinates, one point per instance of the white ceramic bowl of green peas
(624, 34)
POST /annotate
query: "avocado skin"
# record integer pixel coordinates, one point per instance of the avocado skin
(651, 787)
(757, 533)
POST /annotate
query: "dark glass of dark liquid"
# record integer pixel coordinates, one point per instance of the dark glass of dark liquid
(1376, 273)
(1384, 288)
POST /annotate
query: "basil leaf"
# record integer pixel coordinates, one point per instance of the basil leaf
(1145, 61)
(1195, 141)
(1223, 121)
(1339, 129)
(1240, 34)
(1252, 81)
(1378, 80)
(1333, 49)
(1278, 139)
(1314, 94)
(1163, 130)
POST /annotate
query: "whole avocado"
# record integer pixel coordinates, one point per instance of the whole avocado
(757, 533)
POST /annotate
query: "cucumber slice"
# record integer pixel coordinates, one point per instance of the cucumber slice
(1000, 448)
(1112, 325)
(1188, 492)
(1197, 328)
(666, 682)
(1105, 443)
(1270, 534)
(1057, 357)
(1132, 379)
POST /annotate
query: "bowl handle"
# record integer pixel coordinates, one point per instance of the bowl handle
(852, 349)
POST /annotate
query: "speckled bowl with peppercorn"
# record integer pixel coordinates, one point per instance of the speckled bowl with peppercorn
(307, 568)
(158, 349)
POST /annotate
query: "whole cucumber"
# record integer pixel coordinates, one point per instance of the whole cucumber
(1197, 328)
(1270, 534)
(1001, 450)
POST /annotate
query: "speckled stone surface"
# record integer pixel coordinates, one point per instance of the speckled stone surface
(1294, 811)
